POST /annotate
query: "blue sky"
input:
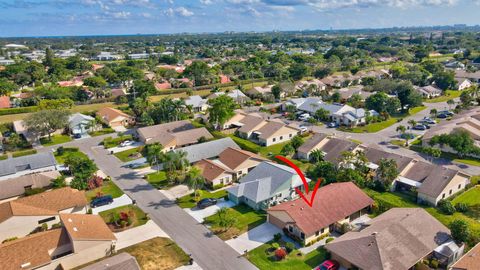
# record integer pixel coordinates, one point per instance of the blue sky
(104, 17)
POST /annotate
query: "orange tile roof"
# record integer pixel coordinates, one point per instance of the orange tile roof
(211, 170)
(33, 250)
(109, 114)
(43, 204)
(469, 261)
(4, 102)
(86, 227)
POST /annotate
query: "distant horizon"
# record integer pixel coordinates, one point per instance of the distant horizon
(61, 18)
(399, 28)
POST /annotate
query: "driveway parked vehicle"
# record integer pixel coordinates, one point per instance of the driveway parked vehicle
(328, 265)
(332, 125)
(303, 129)
(126, 143)
(420, 127)
(442, 116)
(204, 203)
(100, 201)
(428, 121)
(447, 113)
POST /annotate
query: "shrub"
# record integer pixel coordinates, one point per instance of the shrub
(446, 207)
(95, 182)
(277, 237)
(434, 263)
(9, 239)
(24, 153)
(461, 207)
(33, 191)
(290, 246)
(89, 211)
(275, 245)
(60, 150)
(330, 239)
(215, 187)
(280, 254)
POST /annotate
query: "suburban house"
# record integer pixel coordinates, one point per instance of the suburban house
(22, 216)
(197, 103)
(463, 83)
(114, 118)
(173, 135)
(207, 150)
(123, 261)
(80, 124)
(259, 91)
(266, 185)
(295, 103)
(15, 187)
(397, 239)
(474, 77)
(429, 91)
(331, 147)
(15, 167)
(79, 240)
(231, 165)
(5, 102)
(346, 93)
(339, 113)
(469, 261)
(314, 83)
(468, 121)
(312, 144)
(236, 94)
(335, 204)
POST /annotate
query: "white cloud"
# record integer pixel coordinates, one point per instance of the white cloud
(182, 11)
(206, 2)
(120, 15)
(332, 4)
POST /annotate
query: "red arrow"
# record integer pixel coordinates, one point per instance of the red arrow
(304, 180)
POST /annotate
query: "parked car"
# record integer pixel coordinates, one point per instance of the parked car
(420, 127)
(429, 121)
(126, 143)
(447, 113)
(328, 265)
(100, 201)
(77, 135)
(304, 117)
(442, 116)
(303, 129)
(332, 125)
(204, 203)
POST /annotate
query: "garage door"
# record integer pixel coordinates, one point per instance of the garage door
(276, 221)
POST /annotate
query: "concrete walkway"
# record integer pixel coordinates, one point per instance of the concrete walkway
(138, 234)
(201, 214)
(117, 202)
(321, 243)
(254, 238)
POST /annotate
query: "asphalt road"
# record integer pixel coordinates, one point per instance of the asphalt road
(209, 251)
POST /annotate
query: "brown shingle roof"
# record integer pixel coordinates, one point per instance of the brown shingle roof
(270, 128)
(249, 123)
(375, 155)
(396, 239)
(469, 261)
(32, 250)
(86, 227)
(332, 203)
(233, 158)
(109, 114)
(163, 133)
(211, 170)
(436, 181)
(46, 203)
(312, 142)
(335, 147)
(16, 186)
(191, 136)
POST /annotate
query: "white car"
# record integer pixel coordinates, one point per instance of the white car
(126, 143)
(303, 129)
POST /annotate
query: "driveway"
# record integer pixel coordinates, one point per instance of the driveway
(125, 148)
(201, 214)
(138, 234)
(117, 202)
(254, 238)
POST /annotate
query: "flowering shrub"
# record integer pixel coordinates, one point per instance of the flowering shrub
(280, 254)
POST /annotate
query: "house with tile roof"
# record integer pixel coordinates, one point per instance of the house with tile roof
(334, 205)
(266, 185)
(17, 186)
(396, 240)
(22, 216)
(79, 240)
(114, 117)
(173, 135)
(469, 261)
(15, 167)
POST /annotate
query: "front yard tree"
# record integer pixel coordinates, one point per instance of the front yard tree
(195, 180)
(296, 142)
(276, 91)
(322, 114)
(402, 130)
(47, 122)
(82, 168)
(224, 219)
(316, 156)
(154, 154)
(288, 150)
(387, 171)
(460, 230)
(176, 165)
(221, 109)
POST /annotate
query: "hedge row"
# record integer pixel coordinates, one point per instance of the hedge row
(18, 110)
(24, 153)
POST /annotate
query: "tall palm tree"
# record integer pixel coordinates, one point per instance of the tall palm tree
(195, 180)
(316, 156)
(155, 154)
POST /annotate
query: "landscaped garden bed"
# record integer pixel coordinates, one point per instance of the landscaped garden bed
(124, 217)
(188, 201)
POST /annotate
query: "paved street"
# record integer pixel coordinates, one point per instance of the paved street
(209, 251)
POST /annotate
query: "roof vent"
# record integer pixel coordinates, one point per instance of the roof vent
(75, 229)
(25, 265)
(374, 233)
(70, 220)
(301, 208)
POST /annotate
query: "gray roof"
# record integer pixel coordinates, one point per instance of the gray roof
(436, 181)
(420, 171)
(265, 181)
(311, 104)
(78, 118)
(207, 150)
(122, 261)
(31, 162)
(13, 187)
(335, 147)
(397, 239)
(195, 101)
(311, 143)
(375, 155)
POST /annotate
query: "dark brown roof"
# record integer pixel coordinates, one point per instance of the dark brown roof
(375, 155)
(312, 142)
(397, 239)
(332, 203)
(335, 147)
(420, 171)
(438, 179)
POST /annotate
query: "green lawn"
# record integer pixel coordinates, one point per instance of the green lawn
(394, 199)
(449, 94)
(470, 197)
(24, 153)
(55, 139)
(138, 216)
(110, 142)
(158, 179)
(263, 258)
(188, 201)
(129, 155)
(101, 132)
(108, 188)
(68, 151)
(246, 219)
(469, 161)
(400, 143)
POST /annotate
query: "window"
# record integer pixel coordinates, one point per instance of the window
(290, 229)
(281, 137)
(459, 186)
(302, 235)
(46, 220)
(450, 192)
(291, 135)
(317, 233)
(443, 196)
(274, 139)
(322, 230)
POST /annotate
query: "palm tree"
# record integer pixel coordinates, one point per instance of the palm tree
(402, 130)
(412, 122)
(433, 113)
(224, 219)
(195, 180)
(155, 154)
(176, 164)
(316, 156)
(450, 102)
(387, 171)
